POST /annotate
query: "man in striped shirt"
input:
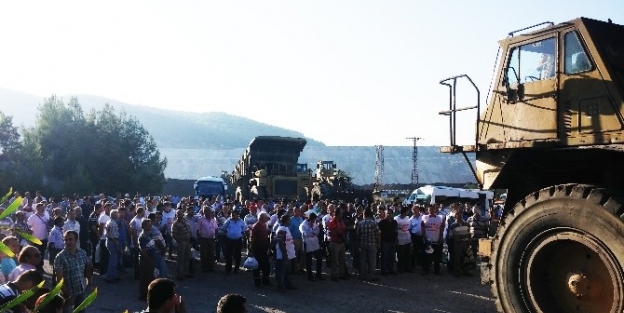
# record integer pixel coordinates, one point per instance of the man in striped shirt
(25, 281)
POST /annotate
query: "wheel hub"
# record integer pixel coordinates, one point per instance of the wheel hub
(567, 271)
(578, 284)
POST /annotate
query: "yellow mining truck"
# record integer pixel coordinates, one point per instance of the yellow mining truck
(553, 135)
(268, 169)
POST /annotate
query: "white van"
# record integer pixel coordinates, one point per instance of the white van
(446, 195)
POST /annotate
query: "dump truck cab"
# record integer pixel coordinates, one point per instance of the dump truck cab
(553, 135)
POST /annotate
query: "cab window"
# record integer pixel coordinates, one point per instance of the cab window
(532, 62)
(575, 60)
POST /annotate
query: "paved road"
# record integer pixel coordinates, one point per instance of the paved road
(403, 293)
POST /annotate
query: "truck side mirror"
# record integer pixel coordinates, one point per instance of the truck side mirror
(512, 95)
(520, 92)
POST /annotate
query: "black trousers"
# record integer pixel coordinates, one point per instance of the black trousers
(450, 244)
(233, 248)
(403, 256)
(136, 263)
(318, 255)
(104, 256)
(264, 265)
(435, 257)
(417, 250)
(94, 244)
(42, 250)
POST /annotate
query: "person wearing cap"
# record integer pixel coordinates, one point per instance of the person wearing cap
(310, 231)
(38, 223)
(234, 229)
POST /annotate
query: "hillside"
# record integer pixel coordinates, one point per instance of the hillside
(200, 144)
(171, 129)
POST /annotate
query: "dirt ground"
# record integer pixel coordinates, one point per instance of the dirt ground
(411, 292)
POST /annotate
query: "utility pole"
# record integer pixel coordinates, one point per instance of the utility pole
(415, 161)
(379, 168)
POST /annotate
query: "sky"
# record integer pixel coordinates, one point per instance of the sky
(347, 73)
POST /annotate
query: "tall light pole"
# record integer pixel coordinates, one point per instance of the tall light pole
(415, 160)
(379, 168)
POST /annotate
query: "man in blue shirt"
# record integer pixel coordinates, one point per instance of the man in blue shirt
(299, 263)
(234, 228)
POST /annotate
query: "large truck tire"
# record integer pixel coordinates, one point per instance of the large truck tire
(561, 249)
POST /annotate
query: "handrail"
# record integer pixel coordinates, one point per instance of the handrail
(451, 82)
(511, 34)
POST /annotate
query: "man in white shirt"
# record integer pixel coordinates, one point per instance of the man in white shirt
(417, 238)
(72, 224)
(102, 220)
(38, 223)
(404, 243)
(169, 215)
(135, 230)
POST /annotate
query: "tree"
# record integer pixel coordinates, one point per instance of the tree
(131, 160)
(9, 148)
(9, 136)
(100, 152)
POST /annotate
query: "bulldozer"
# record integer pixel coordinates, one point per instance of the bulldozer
(268, 168)
(552, 134)
(328, 181)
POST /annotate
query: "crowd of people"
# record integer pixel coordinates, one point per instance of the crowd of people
(112, 234)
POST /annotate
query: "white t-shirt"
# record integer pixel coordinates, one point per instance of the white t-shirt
(290, 244)
(39, 226)
(71, 225)
(167, 219)
(403, 226)
(432, 227)
(135, 224)
(310, 232)
(103, 219)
